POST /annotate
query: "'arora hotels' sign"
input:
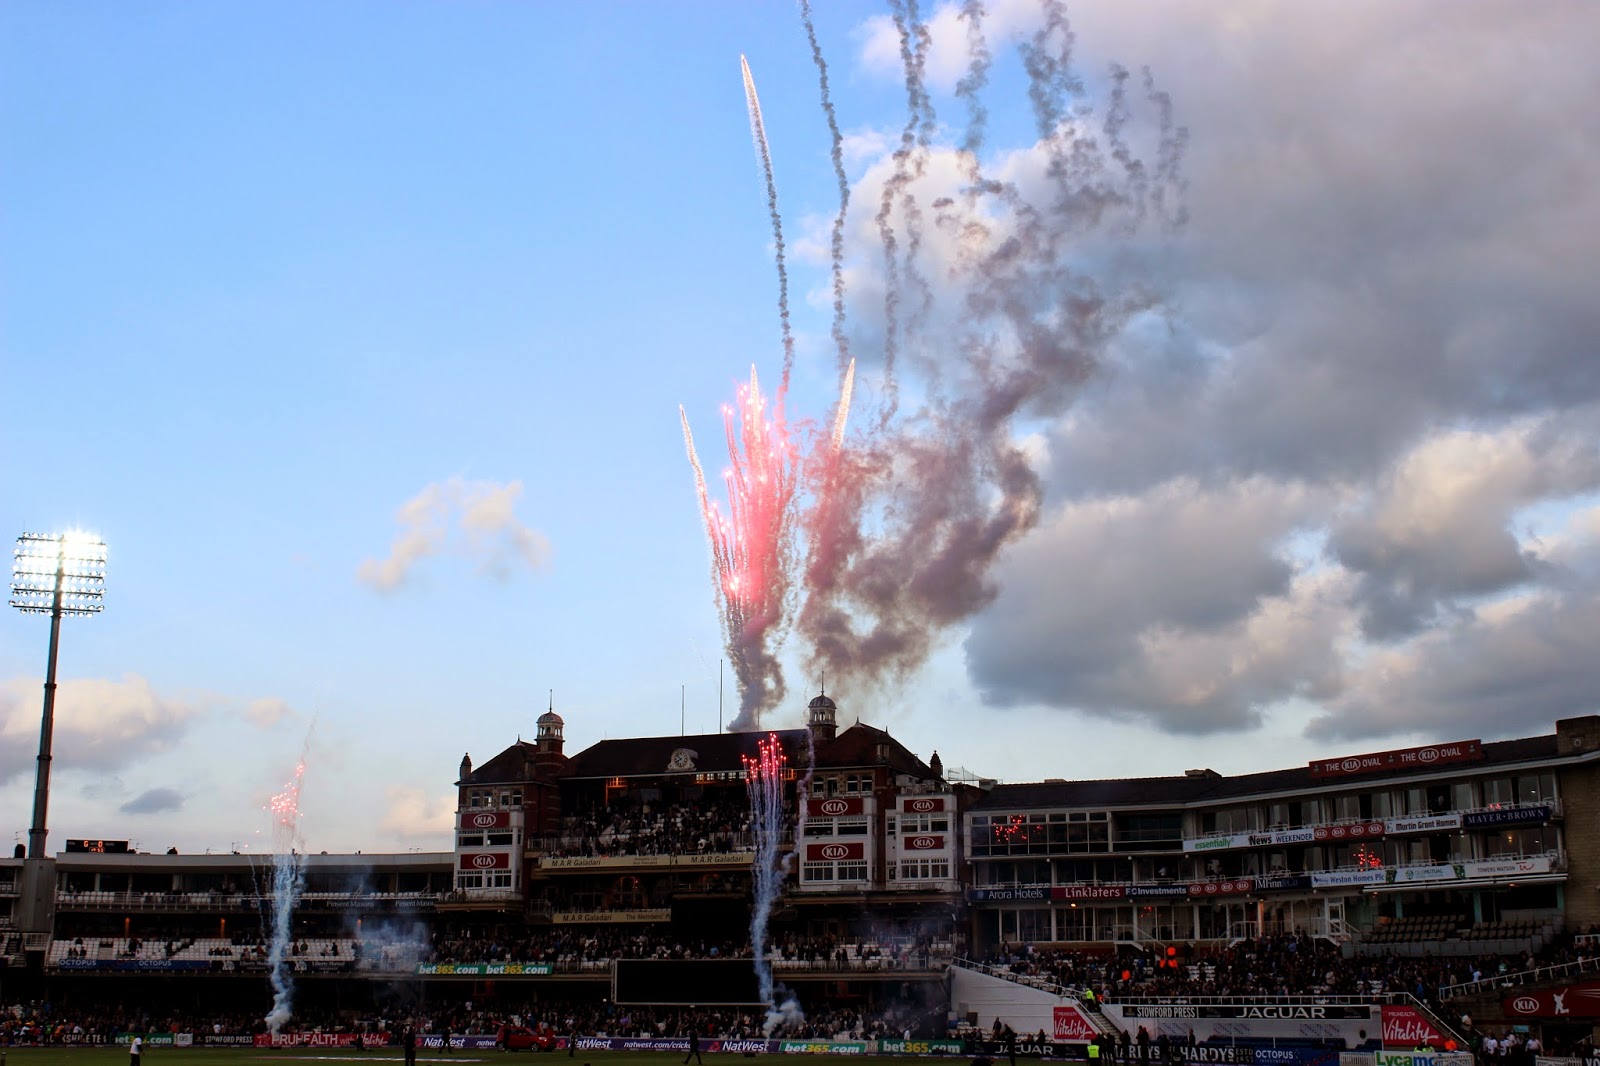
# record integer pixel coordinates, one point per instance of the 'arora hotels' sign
(1400, 759)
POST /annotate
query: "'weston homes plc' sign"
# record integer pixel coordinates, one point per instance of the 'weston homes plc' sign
(1399, 759)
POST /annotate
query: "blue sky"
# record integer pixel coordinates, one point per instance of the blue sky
(271, 272)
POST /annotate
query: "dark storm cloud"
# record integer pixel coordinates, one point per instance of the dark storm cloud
(154, 801)
(1484, 674)
(1385, 308)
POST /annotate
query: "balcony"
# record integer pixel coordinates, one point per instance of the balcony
(230, 902)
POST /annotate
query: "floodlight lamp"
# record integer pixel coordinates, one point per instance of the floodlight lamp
(58, 572)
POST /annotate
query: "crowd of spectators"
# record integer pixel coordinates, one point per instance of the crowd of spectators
(1280, 965)
(45, 1023)
(712, 826)
(567, 948)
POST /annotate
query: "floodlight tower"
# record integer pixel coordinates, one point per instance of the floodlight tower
(61, 575)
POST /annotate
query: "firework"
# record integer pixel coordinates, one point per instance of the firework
(752, 545)
(288, 881)
(764, 777)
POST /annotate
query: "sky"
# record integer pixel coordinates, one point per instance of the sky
(1227, 387)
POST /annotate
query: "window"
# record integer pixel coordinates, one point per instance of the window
(1534, 789)
(851, 827)
(849, 870)
(500, 879)
(472, 880)
(501, 837)
(1382, 805)
(1347, 808)
(1533, 841)
(924, 869)
(922, 823)
(469, 840)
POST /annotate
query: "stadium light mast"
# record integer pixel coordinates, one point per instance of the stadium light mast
(61, 575)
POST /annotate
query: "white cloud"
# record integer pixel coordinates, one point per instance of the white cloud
(267, 712)
(415, 814)
(488, 532)
(99, 724)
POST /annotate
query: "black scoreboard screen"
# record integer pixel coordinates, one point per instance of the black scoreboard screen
(101, 847)
(698, 982)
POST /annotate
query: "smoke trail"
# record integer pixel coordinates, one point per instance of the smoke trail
(836, 153)
(919, 508)
(841, 411)
(288, 881)
(764, 777)
(904, 520)
(970, 88)
(758, 133)
(910, 161)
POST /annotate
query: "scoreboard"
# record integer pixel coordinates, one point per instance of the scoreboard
(102, 847)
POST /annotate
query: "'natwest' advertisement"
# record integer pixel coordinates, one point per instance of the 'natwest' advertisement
(1405, 1027)
(836, 851)
(1070, 1024)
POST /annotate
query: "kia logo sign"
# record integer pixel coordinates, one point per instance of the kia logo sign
(919, 843)
(1428, 755)
(483, 862)
(1525, 1005)
(834, 851)
(922, 806)
(1350, 765)
(483, 821)
(833, 806)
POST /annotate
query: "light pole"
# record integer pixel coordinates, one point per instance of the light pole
(57, 574)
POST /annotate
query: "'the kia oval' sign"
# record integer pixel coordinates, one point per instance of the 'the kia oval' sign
(485, 860)
(486, 819)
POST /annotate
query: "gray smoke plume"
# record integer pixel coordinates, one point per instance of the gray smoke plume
(910, 517)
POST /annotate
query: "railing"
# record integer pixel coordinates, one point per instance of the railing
(1333, 929)
(1556, 857)
(1044, 984)
(1523, 977)
(480, 895)
(168, 901)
